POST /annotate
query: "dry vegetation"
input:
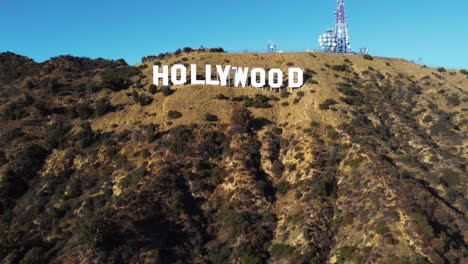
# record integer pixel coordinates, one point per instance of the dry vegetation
(365, 164)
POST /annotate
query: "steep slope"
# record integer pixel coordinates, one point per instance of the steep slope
(364, 164)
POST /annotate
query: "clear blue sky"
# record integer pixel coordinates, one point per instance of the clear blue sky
(430, 32)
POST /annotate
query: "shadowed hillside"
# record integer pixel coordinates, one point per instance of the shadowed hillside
(366, 163)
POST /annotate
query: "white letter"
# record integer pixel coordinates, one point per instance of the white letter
(223, 75)
(183, 74)
(193, 75)
(300, 77)
(240, 76)
(260, 83)
(208, 76)
(279, 78)
(157, 75)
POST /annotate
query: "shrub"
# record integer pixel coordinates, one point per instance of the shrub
(281, 250)
(345, 254)
(56, 134)
(326, 104)
(30, 84)
(217, 49)
(464, 72)
(118, 78)
(382, 229)
(13, 133)
(453, 100)
(210, 118)
(134, 178)
(174, 114)
(282, 187)
(86, 135)
(450, 178)
(300, 93)
(341, 68)
(427, 119)
(423, 224)
(84, 111)
(332, 134)
(410, 160)
(220, 257)
(119, 159)
(103, 106)
(97, 232)
(166, 90)
(179, 138)
(152, 89)
(241, 117)
(221, 97)
(368, 57)
(285, 94)
(314, 124)
(259, 101)
(13, 111)
(144, 100)
(290, 64)
(441, 69)
(33, 157)
(150, 132)
(355, 163)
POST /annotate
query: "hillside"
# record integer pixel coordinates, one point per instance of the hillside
(366, 163)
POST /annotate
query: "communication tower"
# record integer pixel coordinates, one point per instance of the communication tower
(271, 48)
(337, 40)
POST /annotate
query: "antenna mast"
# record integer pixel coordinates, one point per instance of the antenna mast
(337, 40)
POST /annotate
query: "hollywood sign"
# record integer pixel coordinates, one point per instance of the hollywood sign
(228, 76)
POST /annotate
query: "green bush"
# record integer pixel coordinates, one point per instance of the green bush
(13, 133)
(282, 187)
(97, 232)
(56, 134)
(118, 78)
(238, 222)
(368, 57)
(119, 159)
(84, 111)
(300, 93)
(454, 100)
(103, 106)
(281, 250)
(345, 254)
(13, 111)
(210, 118)
(221, 97)
(174, 114)
(166, 90)
(450, 178)
(144, 100)
(355, 163)
(423, 224)
(152, 89)
(382, 229)
(30, 84)
(327, 103)
(86, 135)
(341, 68)
(441, 69)
(259, 101)
(134, 178)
